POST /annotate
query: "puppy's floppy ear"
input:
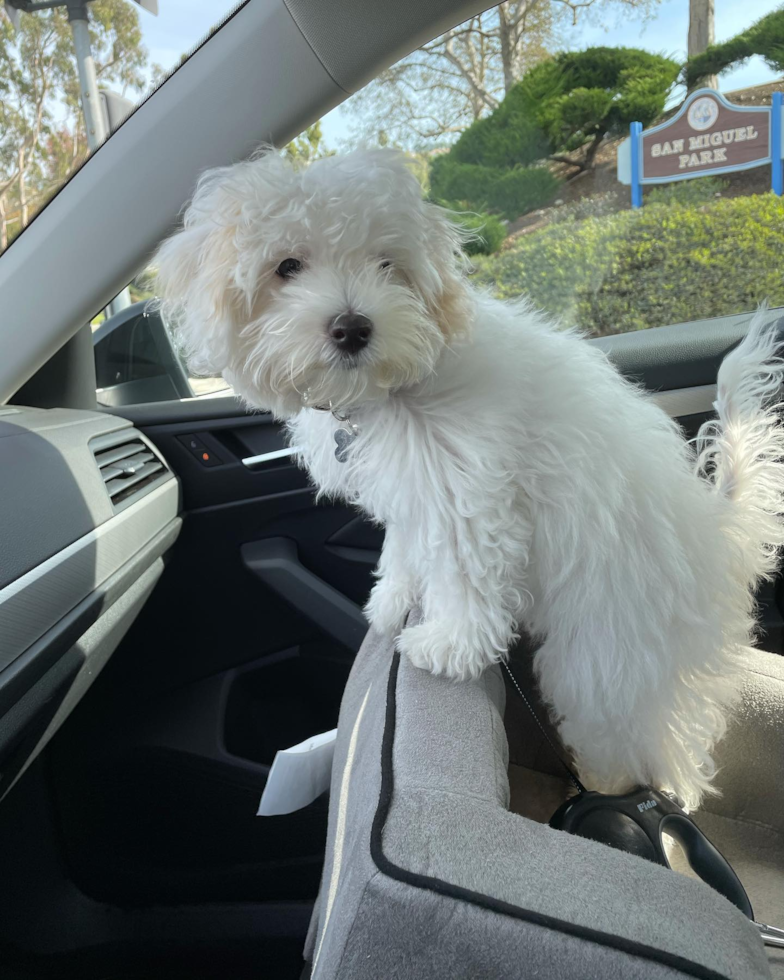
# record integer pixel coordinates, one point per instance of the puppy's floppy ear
(205, 273)
(447, 295)
(194, 274)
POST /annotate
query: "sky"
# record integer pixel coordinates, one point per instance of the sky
(181, 24)
(179, 27)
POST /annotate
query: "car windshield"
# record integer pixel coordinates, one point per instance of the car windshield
(54, 63)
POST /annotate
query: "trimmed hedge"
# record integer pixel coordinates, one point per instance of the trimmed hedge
(508, 192)
(488, 231)
(648, 268)
(564, 102)
(690, 193)
(509, 137)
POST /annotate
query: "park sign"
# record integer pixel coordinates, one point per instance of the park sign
(707, 136)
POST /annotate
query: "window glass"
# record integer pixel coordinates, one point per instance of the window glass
(136, 357)
(519, 121)
(128, 353)
(45, 132)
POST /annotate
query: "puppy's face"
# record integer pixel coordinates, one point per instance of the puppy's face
(333, 285)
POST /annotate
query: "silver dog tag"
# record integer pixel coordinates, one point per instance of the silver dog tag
(343, 440)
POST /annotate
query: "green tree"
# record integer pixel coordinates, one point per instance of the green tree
(444, 86)
(765, 38)
(39, 84)
(308, 146)
(564, 108)
(33, 65)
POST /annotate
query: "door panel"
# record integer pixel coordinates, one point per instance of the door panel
(158, 778)
(207, 454)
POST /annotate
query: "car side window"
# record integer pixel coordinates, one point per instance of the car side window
(120, 52)
(556, 135)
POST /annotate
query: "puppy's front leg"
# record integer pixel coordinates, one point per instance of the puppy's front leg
(395, 591)
(472, 592)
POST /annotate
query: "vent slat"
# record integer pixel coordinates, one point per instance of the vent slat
(127, 466)
(118, 486)
(128, 469)
(119, 452)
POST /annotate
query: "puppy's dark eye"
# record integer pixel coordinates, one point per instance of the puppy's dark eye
(386, 263)
(288, 268)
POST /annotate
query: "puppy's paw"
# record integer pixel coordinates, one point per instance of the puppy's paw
(442, 647)
(388, 606)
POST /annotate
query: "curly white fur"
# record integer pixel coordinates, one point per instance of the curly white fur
(521, 481)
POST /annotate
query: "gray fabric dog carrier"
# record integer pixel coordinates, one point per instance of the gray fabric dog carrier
(428, 873)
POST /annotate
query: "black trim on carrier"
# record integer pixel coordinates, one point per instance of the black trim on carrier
(428, 883)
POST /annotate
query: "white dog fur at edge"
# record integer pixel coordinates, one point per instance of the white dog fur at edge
(521, 481)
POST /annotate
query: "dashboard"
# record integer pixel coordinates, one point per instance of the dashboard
(90, 508)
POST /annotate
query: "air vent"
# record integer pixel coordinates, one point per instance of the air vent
(129, 467)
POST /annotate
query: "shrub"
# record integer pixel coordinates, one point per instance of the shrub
(508, 192)
(518, 191)
(488, 230)
(450, 181)
(648, 268)
(688, 193)
(509, 137)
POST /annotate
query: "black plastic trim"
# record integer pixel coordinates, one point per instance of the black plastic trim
(276, 562)
(682, 355)
(440, 887)
(66, 380)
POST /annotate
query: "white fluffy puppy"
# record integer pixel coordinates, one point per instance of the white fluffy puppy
(522, 483)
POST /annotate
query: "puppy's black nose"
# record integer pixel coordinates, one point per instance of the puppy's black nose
(350, 332)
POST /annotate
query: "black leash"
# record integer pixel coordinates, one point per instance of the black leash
(634, 822)
(572, 776)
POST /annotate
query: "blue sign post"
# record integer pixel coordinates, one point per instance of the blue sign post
(777, 181)
(708, 135)
(636, 140)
